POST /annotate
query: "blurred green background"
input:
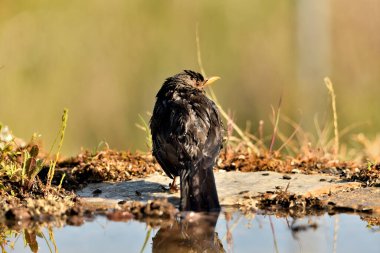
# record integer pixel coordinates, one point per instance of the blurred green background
(105, 61)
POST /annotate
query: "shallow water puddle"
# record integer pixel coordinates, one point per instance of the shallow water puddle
(234, 233)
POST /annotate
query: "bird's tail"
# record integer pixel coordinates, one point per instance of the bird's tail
(198, 189)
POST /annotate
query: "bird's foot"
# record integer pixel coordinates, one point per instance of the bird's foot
(173, 188)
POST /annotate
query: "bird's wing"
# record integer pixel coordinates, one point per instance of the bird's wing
(198, 134)
(163, 150)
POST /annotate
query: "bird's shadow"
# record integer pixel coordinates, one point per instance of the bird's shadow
(139, 190)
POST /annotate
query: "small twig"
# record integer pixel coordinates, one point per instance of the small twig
(287, 187)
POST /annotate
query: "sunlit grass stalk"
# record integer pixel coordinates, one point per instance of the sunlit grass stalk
(146, 240)
(322, 135)
(146, 129)
(261, 131)
(61, 181)
(276, 115)
(47, 242)
(62, 136)
(330, 88)
(52, 239)
(26, 156)
(287, 140)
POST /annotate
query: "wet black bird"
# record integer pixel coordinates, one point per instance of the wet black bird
(187, 135)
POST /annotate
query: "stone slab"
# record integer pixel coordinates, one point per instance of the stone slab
(364, 199)
(231, 187)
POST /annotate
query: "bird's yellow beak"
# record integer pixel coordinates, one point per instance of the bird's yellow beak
(211, 80)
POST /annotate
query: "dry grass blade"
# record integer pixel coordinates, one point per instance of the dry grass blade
(287, 141)
(276, 115)
(330, 87)
(322, 135)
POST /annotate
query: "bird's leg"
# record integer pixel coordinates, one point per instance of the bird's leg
(173, 187)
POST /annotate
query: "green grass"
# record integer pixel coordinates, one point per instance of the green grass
(61, 135)
(25, 172)
(144, 126)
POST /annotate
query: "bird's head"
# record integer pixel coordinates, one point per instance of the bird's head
(195, 79)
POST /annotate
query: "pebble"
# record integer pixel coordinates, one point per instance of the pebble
(97, 192)
(296, 171)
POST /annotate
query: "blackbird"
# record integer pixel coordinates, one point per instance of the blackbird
(187, 135)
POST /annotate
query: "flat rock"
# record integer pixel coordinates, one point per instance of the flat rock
(363, 200)
(232, 187)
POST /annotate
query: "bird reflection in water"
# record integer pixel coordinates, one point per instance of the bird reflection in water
(194, 232)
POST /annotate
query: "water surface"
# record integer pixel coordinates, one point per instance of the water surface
(236, 232)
